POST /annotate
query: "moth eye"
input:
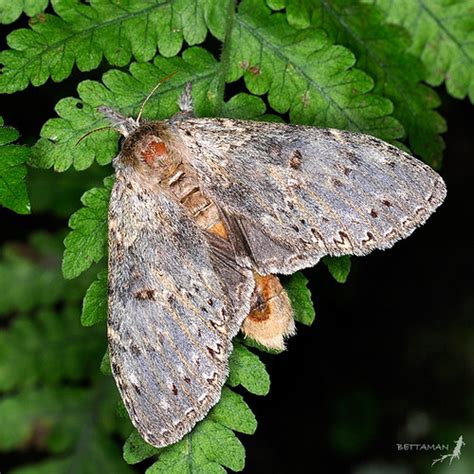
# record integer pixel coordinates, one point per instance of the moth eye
(121, 141)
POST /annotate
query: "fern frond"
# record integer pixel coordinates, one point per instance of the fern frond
(13, 192)
(10, 10)
(443, 38)
(305, 74)
(82, 35)
(381, 50)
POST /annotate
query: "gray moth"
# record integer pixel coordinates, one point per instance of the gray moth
(201, 210)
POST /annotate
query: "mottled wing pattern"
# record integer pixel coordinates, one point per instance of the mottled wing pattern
(171, 316)
(292, 194)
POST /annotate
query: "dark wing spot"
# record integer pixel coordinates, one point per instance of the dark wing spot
(373, 213)
(215, 324)
(129, 186)
(370, 237)
(347, 171)
(137, 389)
(420, 211)
(337, 183)
(352, 156)
(187, 379)
(295, 160)
(149, 348)
(116, 369)
(343, 237)
(391, 235)
(387, 203)
(145, 295)
(391, 164)
(134, 349)
(213, 379)
(214, 352)
(174, 389)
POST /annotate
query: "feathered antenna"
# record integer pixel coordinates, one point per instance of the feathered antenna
(151, 94)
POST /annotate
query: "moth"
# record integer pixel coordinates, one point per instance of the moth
(204, 212)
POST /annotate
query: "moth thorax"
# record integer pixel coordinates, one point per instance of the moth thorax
(153, 151)
(155, 156)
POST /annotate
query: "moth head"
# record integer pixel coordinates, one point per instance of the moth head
(151, 151)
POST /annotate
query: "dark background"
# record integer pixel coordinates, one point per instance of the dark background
(389, 358)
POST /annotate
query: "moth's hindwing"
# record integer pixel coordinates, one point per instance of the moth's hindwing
(292, 194)
(170, 321)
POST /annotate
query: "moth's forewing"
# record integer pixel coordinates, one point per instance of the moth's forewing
(170, 320)
(296, 193)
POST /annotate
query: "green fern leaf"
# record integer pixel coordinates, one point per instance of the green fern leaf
(248, 370)
(13, 192)
(381, 50)
(303, 72)
(82, 35)
(136, 450)
(232, 412)
(207, 449)
(94, 307)
(443, 37)
(87, 242)
(339, 267)
(300, 297)
(32, 346)
(10, 10)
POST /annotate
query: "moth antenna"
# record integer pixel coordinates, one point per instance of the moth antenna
(186, 99)
(91, 132)
(151, 94)
(122, 124)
